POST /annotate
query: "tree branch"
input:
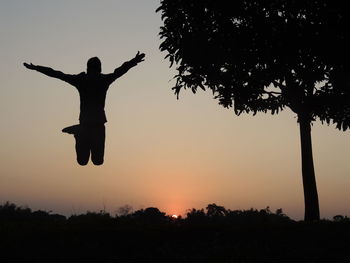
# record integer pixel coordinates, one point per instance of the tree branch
(278, 84)
(272, 93)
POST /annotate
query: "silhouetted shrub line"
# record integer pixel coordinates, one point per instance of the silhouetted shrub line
(149, 235)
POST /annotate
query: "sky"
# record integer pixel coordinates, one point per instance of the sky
(160, 151)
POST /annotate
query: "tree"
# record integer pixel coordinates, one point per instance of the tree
(150, 215)
(124, 210)
(265, 56)
(214, 210)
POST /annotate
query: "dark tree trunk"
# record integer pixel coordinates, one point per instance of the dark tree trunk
(312, 211)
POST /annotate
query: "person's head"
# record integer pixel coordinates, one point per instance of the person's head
(94, 66)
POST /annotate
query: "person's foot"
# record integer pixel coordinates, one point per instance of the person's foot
(74, 129)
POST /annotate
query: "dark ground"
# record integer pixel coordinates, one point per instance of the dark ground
(214, 235)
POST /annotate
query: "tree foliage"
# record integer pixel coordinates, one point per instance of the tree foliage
(263, 55)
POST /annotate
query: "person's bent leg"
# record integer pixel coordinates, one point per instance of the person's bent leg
(98, 144)
(82, 147)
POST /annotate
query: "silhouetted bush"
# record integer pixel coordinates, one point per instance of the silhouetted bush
(213, 234)
(13, 213)
(218, 214)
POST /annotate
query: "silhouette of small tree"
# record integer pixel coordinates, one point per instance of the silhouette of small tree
(214, 210)
(196, 215)
(265, 56)
(150, 215)
(124, 210)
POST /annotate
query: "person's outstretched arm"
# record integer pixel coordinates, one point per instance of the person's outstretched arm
(52, 73)
(120, 71)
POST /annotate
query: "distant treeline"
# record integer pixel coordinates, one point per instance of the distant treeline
(211, 214)
(213, 234)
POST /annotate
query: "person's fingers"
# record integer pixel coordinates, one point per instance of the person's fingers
(29, 66)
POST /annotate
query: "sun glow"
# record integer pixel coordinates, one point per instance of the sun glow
(174, 216)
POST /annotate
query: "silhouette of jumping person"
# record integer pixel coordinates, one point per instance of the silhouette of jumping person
(92, 86)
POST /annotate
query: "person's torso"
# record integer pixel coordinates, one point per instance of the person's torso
(92, 92)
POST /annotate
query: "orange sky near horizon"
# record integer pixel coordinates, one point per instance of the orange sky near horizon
(161, 152)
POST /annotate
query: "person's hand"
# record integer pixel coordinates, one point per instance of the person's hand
(29, 66)
(139, 57)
